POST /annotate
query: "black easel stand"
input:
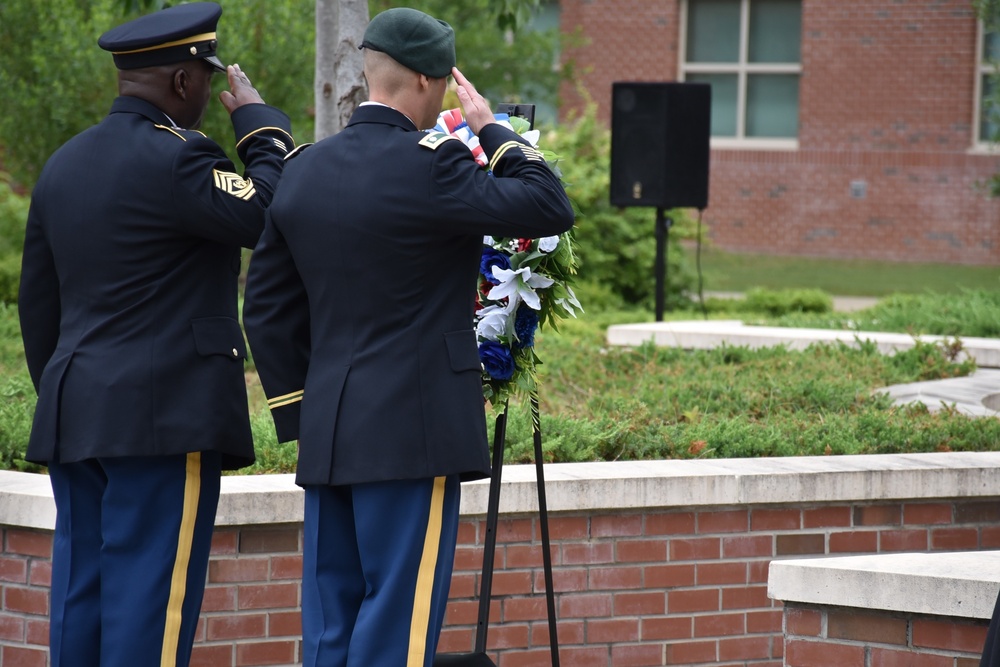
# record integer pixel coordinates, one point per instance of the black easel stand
(479, 657)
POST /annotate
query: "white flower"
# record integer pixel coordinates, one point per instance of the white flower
(548, 244)
(531, 136)
(518, 286)
(488, 240)
(492, 322)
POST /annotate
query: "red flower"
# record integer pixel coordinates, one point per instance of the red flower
(523, 244)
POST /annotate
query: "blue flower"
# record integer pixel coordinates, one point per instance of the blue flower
(497, 360)
(492, 258)
(525, 323)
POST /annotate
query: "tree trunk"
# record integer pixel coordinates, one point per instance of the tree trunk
(339, 86)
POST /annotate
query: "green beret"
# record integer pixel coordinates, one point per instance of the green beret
(413, 39)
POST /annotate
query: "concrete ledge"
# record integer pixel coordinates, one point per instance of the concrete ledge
(959, 584)
(706, 335)
(26, 498)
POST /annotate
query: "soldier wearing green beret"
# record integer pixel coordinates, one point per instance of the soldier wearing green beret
(128, 309)
(359, 310)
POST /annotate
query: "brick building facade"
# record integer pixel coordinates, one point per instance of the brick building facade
(886, 152)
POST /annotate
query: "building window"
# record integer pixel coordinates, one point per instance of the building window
(749, 51)
(988, 74)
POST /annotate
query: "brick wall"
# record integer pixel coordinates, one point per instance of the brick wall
(885, 102)
(683, 586)
(835, 637)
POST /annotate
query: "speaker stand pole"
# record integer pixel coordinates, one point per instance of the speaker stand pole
(663, 223)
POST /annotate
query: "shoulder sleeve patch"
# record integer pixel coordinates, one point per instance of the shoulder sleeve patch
(435, 139)
(234, 184)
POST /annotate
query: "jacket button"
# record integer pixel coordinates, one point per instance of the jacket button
(236, 352)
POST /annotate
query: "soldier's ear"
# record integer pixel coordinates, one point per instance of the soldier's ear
(180, 83)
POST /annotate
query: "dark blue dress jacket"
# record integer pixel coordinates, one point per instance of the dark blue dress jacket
(128, 297)
(360, 297)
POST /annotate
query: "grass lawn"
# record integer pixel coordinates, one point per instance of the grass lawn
(727, 272)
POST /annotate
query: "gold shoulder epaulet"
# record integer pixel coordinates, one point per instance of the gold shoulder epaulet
(176, 131)
(297, 151)
(435, 139)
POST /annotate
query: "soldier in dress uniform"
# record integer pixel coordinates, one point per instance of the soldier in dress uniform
(128, 307)
(359, 310)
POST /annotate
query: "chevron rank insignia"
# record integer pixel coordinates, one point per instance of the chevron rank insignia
(234, 184)
(435, 139)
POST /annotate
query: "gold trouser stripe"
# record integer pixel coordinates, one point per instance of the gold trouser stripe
(178, 582)
(500, 152)
(425, 579)
(203, 37)
(285, 399)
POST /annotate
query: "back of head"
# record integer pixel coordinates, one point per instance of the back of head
(417, 41)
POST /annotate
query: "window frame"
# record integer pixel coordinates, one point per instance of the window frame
(981, 144)
(743, 69)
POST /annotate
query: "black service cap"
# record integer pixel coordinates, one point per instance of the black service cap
(172, 35)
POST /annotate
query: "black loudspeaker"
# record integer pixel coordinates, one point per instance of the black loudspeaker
(660, 144)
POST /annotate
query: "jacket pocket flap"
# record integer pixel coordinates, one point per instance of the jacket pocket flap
(463, 351)
(219, 335)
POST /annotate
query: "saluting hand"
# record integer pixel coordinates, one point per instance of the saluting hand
(477, 111)
(242, 91)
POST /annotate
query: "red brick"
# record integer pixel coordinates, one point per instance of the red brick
(29, 543)
(524, 556)
(611, 631)
(265, 653)
(865, 627)
(877, 515)
(694, 549)
(616, 526)
(238, 626)
(859, 541)
(948, 636)
(14, 570)
(745, 648)
(569, 581)
(882, 657)
(37, 632)
(803, 622)
(219, 598)
(826, 517)
(11, 628)
(748, 546)
(691, 653)
(455, 640)
(577, 657)
(731, 521)
(669, 576)
(506, 636)
(719, 625)
(40, 573)
(584, 605)
(990, 537)
(641, 551)
(799, 653)
(468, 531)
(269, 540)
(639, 604)
(469, 558)
(977, 512)
(636, 655)
(570, 633)
(615, 578)
(757, 571)
(800, 544)
(954, 538)
(775, 519)
(224, 542)
(667, 627)
(464, 612)
(26, 600)
(926, 513)
(721, 573)
(569, 528)
(524, 609)
(511, 531)
(268, 596)
(745, 598)
(211, 656)
(764, 621)
(15, 656)
(902, 540)
(286, 567)
(679, 602)
(284, 624)
(463, 585)
(674, 523)
(512, 583)
(588, 553)
(235, 570)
